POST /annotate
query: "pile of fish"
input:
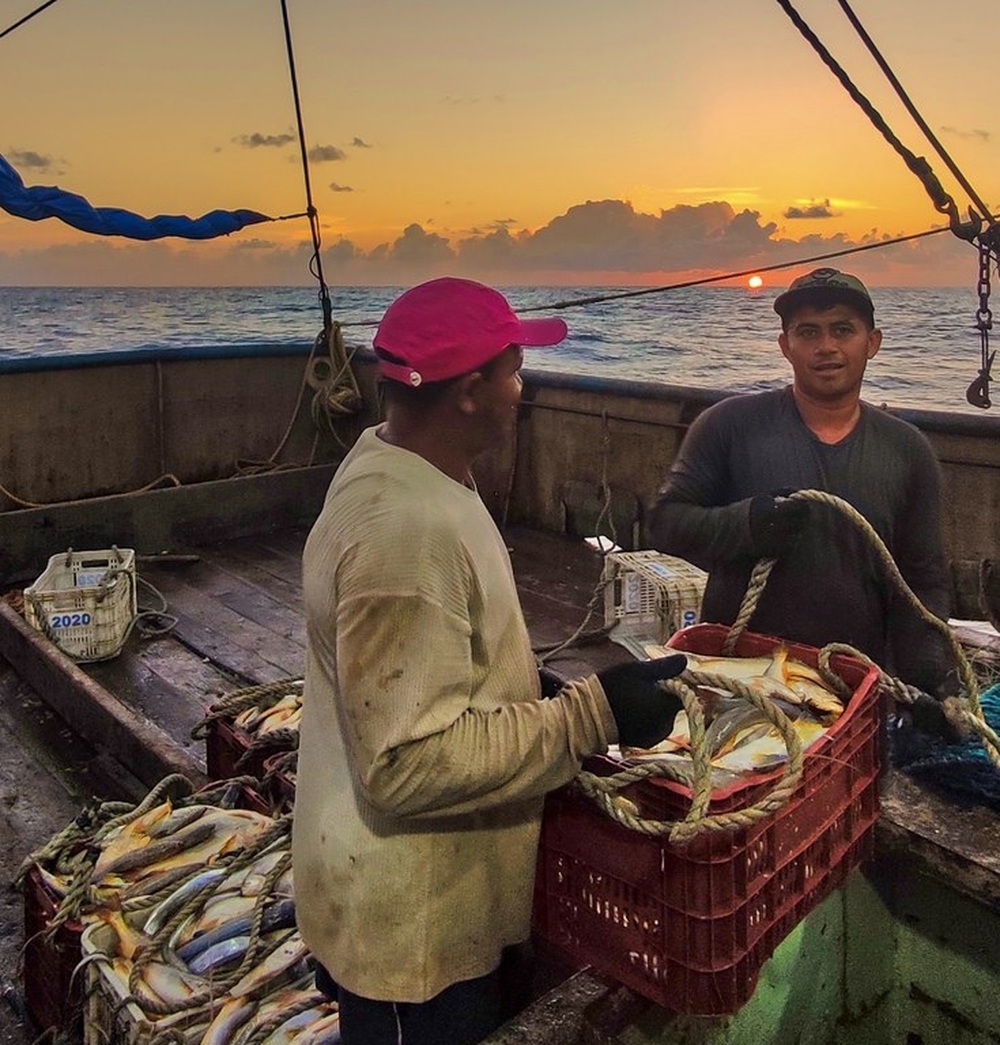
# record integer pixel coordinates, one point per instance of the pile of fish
(261, 721)
(189, 932)
(738, 737)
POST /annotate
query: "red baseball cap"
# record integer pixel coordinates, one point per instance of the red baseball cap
(451, 326)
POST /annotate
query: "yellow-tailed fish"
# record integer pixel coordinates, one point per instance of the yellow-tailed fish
(325, 1031)
(282, 958)
(165, 983)
(763, 748)
(291, 1031)
(227, 1021)
(732, 667)
(215, 834)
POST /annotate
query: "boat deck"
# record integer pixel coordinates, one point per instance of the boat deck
(238, 610)
(239, 622)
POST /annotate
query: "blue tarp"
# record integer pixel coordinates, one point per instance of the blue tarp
(44, 201)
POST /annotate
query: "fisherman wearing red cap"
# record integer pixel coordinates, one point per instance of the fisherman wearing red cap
(425, 751)
(725, 504)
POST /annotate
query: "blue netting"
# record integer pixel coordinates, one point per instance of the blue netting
(957, 769)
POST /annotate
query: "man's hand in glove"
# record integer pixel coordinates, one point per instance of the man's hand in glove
(644, 712)
(938, 717)
(776, 520)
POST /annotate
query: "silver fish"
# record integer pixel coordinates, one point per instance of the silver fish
(219, 954)
(280, 915)
(163, 912)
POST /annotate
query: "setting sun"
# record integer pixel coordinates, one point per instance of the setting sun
(755, 282)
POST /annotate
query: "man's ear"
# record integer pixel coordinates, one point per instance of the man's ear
(468, 389)
(783, 344)
(874, 342)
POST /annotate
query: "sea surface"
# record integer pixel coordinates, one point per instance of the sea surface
(720, 338)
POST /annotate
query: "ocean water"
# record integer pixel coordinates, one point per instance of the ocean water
(720, 338)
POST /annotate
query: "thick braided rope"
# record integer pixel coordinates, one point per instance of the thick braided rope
(603, 790)
(152, 799)
(966, 710)
(286, 738)
(755, 586)
(264, 695)
(59, 853)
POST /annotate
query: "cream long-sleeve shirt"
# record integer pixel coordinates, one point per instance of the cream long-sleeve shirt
(425, 751)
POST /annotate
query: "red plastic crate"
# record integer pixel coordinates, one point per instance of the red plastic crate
(225, 748)
(690, 927)
(280, 783)
(52, 995)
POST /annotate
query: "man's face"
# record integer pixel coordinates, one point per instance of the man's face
(503, 390)
(828, 349)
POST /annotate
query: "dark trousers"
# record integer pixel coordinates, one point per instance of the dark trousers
(461, 1014)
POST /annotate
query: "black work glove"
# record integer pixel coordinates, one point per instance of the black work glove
(551, 682)
(930, 715)
(644, 711)
(776, 520)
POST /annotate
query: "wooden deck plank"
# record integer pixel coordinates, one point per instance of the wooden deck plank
(169, 684)
(254, 603)
(253, 653)
(256, 569)
(91, 711)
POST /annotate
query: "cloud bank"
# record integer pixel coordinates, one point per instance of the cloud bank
(600, 242)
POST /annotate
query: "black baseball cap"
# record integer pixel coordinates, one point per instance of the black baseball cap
(825, 286)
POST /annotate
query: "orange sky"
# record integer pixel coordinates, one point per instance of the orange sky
(639, 142)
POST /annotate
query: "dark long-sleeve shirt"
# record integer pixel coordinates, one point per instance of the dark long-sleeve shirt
(828, 585)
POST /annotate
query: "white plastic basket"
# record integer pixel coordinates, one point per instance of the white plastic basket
(85, 601)
(648, 596)
(112, 1015)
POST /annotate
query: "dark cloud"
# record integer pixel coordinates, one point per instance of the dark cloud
(27, 158)
(335, 187)
(255, 244)
(955, 132)
(258, 140)
(342, 251)
(820, 209)
(360, 143)
(416, 245)
(326, 154)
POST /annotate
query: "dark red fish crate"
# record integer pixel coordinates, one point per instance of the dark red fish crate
(226, 752)
(52, 995)
(690, 926)
(280, 783)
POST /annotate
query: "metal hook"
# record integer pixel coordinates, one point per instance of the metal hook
(978, 393)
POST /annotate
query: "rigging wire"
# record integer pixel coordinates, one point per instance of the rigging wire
(912, 109)
(26, 18)
(316, 262)
(942, 202)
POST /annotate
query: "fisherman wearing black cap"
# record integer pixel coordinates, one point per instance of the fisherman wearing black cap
(725, 503)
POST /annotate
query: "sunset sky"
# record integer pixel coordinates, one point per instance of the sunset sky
(520, 142)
